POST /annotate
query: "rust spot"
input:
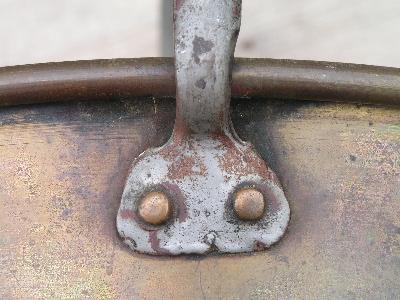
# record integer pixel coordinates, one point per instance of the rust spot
(200, 46)
(259, 246)
(127, 214)
(178, 4)
(181, 130)
(236, 9)
(182, 165)
(155, 244)
(182, 168)
(179, 200)
(223, 139)
(186, 166)
(242, 161)
(168, 152)
(258, 165)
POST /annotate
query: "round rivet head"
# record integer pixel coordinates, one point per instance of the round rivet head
(249, 204)
(155, 208)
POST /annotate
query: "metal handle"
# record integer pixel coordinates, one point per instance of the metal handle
(205, 189)
(205, 38)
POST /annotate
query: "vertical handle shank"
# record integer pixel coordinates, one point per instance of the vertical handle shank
(205, 38)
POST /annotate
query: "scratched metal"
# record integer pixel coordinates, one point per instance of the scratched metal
(204, 163)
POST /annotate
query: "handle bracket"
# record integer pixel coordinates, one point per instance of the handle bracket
(205, 190)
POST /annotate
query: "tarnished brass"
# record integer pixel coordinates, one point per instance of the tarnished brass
(63, 168)
(155, 208)
(249, 204)
(284, 79)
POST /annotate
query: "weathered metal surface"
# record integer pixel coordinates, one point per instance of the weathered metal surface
(204, 164)
(205, 38)
(63, 169)
(203, 218)
(124, 78)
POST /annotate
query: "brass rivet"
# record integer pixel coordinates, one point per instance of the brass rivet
(249, 204)
(155, 208)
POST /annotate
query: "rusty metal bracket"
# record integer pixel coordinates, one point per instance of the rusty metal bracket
(205, 190)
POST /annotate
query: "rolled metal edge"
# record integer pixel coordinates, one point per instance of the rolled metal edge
(252, 77)
(86, 80)
(316, 80)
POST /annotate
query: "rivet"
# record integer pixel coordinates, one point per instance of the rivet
(155, 208)
(249, 204)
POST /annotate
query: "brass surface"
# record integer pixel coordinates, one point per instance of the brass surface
(249, 204)
(63, 169)
(155, 208)
(106, 79)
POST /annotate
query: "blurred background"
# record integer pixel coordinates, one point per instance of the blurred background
(359, 31)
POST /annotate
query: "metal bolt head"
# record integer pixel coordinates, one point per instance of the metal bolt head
(155, 208)
(249, 204)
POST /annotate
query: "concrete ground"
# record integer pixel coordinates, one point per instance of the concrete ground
(359, 31)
